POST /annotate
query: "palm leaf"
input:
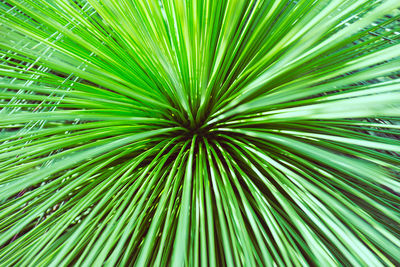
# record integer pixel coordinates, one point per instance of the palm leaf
(256, 133)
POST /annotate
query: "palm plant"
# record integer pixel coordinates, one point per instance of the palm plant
(171, 132)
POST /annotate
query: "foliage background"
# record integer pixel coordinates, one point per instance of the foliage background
(176, 132)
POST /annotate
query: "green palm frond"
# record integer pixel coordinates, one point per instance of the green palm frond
(212, 133)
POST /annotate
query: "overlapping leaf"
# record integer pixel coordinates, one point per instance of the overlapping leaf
(255, 133)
